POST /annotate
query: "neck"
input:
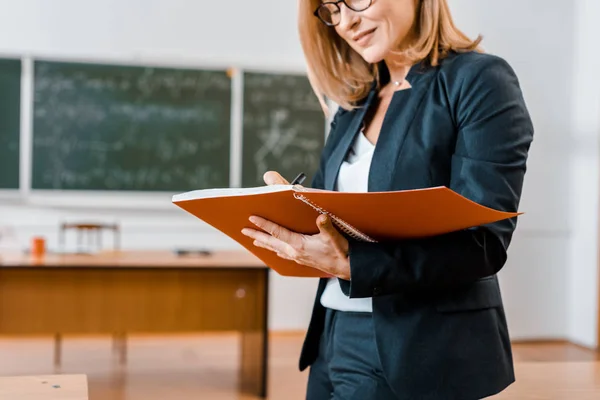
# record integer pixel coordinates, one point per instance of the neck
(397, 75)
(398, 71)
(397, 63)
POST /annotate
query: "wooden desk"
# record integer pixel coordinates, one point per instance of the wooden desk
(554, 381)
(52, 387)
(141, 292)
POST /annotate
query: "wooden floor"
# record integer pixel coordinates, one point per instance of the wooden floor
(193, 367)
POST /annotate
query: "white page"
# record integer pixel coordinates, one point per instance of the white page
(228, 192)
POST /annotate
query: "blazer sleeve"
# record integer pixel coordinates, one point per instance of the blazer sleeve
(494, 133)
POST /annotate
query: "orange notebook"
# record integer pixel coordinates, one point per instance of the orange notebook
(370, 216)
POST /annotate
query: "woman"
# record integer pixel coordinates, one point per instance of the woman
(420, 106)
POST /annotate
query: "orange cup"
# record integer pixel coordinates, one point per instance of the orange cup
(38, 246)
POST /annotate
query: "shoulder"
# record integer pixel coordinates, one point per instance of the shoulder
(473, 72)
(470, 59)
(478, 79)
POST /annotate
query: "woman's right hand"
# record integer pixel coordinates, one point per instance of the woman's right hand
(274, 178)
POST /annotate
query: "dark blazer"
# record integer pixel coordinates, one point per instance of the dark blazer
(439, 320)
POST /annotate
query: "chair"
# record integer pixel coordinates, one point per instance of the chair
(92, 233)
(9, 241)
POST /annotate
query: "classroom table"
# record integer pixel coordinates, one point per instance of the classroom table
(44, 387)
(145, 292)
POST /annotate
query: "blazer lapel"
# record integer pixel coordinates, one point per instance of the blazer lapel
(334, 163)
(396, 124)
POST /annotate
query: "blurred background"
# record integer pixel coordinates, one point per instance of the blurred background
(108, 108)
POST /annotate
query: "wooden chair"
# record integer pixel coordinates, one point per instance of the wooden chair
(91, 233)
(8, 239)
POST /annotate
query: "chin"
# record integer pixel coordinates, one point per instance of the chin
(372, 55)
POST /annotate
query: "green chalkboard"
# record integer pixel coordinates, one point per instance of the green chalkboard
(120, 127)
(10, 122)
(283, 127)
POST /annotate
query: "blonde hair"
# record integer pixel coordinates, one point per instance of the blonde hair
(339, 73)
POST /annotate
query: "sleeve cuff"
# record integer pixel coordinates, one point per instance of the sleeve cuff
(367, 263)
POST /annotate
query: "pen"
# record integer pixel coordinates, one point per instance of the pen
(299, 179)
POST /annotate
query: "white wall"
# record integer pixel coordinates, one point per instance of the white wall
(209, 32)
(551, 280)
(525, 33)
(538, 38)
(582, 284)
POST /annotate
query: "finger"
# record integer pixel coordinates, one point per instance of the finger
(281, 252)
(326, 226)
(262, 239)
(276, 230)
(274, 178)
(256, 235)
(284, 256)
(258, 243)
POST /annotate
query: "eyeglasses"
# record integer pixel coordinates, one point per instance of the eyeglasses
(330, 13)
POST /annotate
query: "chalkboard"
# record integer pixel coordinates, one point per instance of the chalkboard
(283, 127)
(10, 122)
(118, 127)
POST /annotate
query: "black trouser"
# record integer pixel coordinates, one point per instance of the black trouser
(348, 365)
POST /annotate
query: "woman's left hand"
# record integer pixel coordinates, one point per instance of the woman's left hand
(326, 250)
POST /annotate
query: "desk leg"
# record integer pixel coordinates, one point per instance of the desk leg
(123, 358)
(253, 364)
(57, 349)
(120, 347)
(254, 349)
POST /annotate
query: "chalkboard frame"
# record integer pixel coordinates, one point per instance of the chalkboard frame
(11, 190)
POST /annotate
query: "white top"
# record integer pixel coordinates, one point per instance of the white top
(353, 177)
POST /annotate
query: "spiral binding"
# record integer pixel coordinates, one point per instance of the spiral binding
(343, 225)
